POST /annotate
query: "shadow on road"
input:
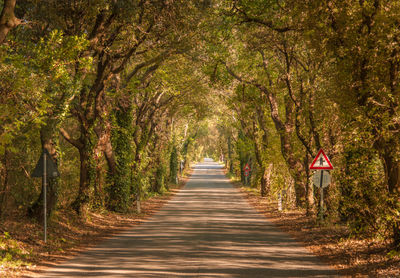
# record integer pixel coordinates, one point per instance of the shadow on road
(207, 230)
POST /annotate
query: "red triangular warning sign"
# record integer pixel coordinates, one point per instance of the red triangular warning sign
(321, 162)
(246, 167)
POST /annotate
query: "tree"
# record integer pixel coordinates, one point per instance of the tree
(8, 20)
(364, 79)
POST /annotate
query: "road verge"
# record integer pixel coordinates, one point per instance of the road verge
(21, 239)
(332, 242)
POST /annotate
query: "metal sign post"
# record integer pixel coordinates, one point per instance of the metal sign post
(45, 168)
(138, 205)
(246, 173)
(321, 178)
(279, 201)
(321, 190)
(45, 195)
(181, 167)
(246, 177)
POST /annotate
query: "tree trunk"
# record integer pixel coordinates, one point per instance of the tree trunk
(87, 174)
(392, 173)
(173, 164)
(266, 180)
(87, 168)
(160, 176)
(8, 20)
(299, 188)
(109, 155)
(103, 147)
(119, 159)
(285, 131)
(4, 189)
(309, 188)
(230, 155)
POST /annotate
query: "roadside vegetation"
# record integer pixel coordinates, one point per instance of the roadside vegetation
(124, 95)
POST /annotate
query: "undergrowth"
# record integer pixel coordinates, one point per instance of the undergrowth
(11, 254)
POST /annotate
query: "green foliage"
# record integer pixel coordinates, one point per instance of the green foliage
(41, 85)
(160, 177)
(120, 181)
(63, 73)
(11, 255)
(364, 200)
(256, 84)
(392, 254)
(284, 69)
(173, 165)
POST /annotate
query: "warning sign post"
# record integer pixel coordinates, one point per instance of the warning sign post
(321, 178)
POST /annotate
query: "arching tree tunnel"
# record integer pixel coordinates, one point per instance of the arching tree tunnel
(125, 95)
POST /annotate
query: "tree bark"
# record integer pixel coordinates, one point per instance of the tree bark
(4, 190)
(230, 155)
(104, 145)
(266, 180)
(392, 173)
(87, 169)
(82, 199)
(8, 20)
(309, 187)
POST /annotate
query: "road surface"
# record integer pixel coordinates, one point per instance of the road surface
(206, 230)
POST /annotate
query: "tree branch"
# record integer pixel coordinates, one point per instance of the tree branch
(71, 140)
(268, 23)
